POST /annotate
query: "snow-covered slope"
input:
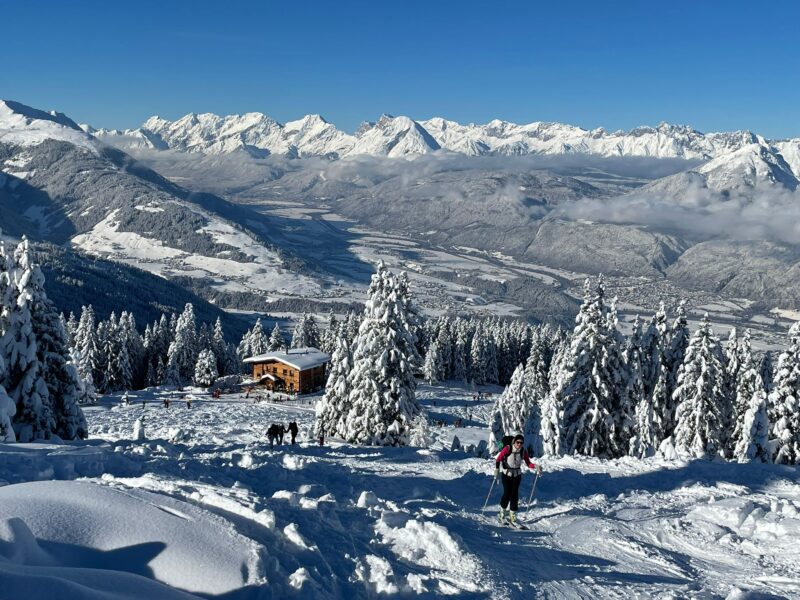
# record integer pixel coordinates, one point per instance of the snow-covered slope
(753, 167)
(790, 151)
(25, 126)
(204, 507)
(748, 167)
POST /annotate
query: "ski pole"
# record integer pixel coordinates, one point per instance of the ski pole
(530, 498)
(491, 487)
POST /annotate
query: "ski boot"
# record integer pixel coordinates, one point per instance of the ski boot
(512, 517)
(502, 516)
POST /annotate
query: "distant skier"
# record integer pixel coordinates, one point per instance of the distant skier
(293, 430)
(511, 458)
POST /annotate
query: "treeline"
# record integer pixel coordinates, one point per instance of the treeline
(661, 389)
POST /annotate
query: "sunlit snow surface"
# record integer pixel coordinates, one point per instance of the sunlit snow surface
(204, 506)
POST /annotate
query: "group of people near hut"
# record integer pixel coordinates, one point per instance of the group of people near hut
(276, 431)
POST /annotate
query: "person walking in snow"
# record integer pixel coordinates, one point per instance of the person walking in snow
(281, 431)
(272, 434)
(510, 459)
(293, 430)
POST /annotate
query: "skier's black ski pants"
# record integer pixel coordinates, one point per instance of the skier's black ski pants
(510, 491)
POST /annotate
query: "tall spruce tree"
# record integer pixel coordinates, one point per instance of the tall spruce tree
(334, 407)
(65, 390)
(276, 340)
(701, 396)
(23, 378)
(785, 400)
(752, 443)
(384, 361)
(182, 353)
(643, 443)
(589, 393)
(205, 371)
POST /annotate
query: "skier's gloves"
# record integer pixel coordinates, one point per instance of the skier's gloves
(497, 473)
(538, 469)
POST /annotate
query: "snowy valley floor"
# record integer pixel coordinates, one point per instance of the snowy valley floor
(203, 507)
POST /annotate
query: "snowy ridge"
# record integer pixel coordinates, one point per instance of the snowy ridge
(25, 126)
(259, 135)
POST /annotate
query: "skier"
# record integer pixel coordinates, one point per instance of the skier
(293, 430)
(511, 458)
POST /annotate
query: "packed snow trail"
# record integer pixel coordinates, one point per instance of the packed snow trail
(360, 522)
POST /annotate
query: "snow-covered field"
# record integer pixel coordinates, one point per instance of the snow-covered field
(203, 507)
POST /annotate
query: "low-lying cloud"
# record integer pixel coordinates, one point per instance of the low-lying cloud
(768, 213)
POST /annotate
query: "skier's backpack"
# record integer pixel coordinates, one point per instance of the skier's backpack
(506, 440)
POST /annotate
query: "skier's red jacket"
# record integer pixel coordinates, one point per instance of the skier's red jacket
(506, 452)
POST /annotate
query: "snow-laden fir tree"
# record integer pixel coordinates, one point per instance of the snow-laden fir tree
(732, 361)
(226, 365)
(420, 435)
(655, 340)
(594, 380)
(205, 372)
(306, 334)
(478, 358)
(23, 379)
(746, 385)
(118, 372)
(276, 340)
(444, 342)
(135, 346)
(432, 368)
(492, 373)
(328, 339)
(645, 439)
(752, 444)
(71, 327)
(257, 340)
(334, 408)
(551, 425)
(785, 400)
(64, 387)
(460, 348)
(625, 413)
(520, 413)
(350, 327)
(384, 361)
(536, 382)
(7, 410)
(673, 361)
(702, 403)
(182, 354)
(512, 404)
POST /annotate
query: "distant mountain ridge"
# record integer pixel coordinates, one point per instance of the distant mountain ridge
(259, 135)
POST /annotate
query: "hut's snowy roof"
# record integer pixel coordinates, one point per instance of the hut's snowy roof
(299, 358)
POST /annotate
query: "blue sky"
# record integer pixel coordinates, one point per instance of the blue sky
(714, 65)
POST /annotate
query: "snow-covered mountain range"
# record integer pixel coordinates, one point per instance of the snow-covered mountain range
(577, 208)
(260, 135)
